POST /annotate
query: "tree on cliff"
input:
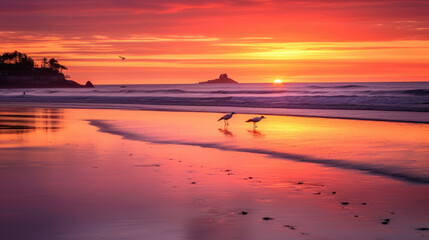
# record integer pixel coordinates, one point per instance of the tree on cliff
(20, 60)
(44, 62)
(56, 66)
(62, 67)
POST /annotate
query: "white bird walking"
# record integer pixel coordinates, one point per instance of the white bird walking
(226, 118)
(255, 120)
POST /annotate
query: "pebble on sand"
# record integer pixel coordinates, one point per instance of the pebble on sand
(385, 221)
(345, 203)
(148, 165)
(193, 182)
(267, 218)
(289, 226)
(422, 229)
(243, 213)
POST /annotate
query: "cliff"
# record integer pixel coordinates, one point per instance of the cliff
(223, 78)
(17, 70)
(36, 78)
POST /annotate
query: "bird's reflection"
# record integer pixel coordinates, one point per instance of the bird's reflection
(256, 133)
(225, 131)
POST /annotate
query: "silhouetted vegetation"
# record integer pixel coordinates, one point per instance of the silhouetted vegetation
(55, 66)
(17, 70)
(16, 61)
(20, 61)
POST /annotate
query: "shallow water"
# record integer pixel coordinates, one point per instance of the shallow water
(112, 174)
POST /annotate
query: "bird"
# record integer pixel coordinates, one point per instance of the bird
(226, 118)
(122, 58)
(255, 120)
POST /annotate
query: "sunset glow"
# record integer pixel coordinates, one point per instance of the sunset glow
(172, 41)
(211, 119)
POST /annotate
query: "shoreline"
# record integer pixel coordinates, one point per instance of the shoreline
(362, 115)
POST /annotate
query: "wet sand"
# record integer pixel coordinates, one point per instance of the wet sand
(119, 174)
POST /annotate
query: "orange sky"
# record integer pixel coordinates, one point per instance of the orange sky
(172, 41)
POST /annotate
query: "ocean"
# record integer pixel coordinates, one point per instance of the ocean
(408, 100)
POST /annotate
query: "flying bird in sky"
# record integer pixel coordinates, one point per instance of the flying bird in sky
(255, 120)
(226, 118)
(122, 58)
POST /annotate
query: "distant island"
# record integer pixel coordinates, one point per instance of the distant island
(223, 78)
(17, 70)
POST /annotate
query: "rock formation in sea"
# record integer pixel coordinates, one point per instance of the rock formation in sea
(89, 84)
(223, 78)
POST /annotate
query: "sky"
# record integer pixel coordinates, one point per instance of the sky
(172, 41)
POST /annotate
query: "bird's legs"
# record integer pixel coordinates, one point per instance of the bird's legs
(254, 125)
(226, 123)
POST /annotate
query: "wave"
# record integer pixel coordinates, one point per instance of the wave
(256, 93)
(252, 91)
(342, 86)
(418, 92)
(384, 171)
(151, 91)
(242, 90)
(412, 92)
(180, 91)
(380, 103)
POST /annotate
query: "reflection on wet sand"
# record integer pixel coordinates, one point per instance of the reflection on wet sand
(21, 120)
(145, 175)
(256, 133)
(217, 227)
(226, 131)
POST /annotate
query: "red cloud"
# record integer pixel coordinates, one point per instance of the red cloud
(169, 34)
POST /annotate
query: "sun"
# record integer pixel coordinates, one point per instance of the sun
(278, 81)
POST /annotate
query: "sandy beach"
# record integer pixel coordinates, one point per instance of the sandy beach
(113, 120)
(121, 174)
